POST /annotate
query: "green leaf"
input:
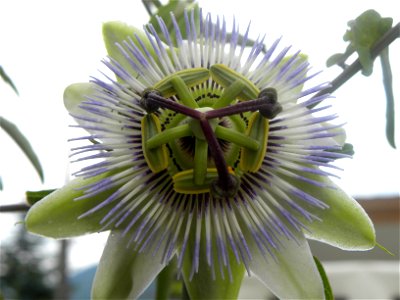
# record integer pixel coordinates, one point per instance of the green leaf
(34, 196)
(327, 287)
(387, 83)
(7, 79)
(23, 144)
(1, 184)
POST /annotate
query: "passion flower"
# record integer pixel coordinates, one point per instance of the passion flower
(204, 150)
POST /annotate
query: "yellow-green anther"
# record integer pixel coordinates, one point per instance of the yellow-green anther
(251, 160)
(183, 181)
(168, 135)
(226, 76)
(230, 94)
(190, 77)
(236, 137)
(156, 158)
(200, 161)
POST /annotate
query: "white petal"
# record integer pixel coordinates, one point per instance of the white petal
(123, 273)
(292, 274)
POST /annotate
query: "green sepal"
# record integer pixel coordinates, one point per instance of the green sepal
(57, 215)
(177, 8)
(75, 94)
(190, 77)
(301, 58)
(117, 32)
(344, 223)
(226, 77)
(184, 181)
(156, 157)
(251, 160)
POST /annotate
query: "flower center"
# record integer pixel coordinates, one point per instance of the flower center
(206, 127)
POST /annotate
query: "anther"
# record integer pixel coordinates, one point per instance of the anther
(269, 94)
(272, 107)
(147, 104)
(226, 188)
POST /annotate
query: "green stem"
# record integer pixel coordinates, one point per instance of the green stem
(14, 208)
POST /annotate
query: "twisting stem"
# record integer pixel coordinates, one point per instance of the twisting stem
(356, 66)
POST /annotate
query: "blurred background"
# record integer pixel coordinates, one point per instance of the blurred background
(47, 45)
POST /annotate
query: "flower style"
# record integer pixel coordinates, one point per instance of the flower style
(205, 150)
